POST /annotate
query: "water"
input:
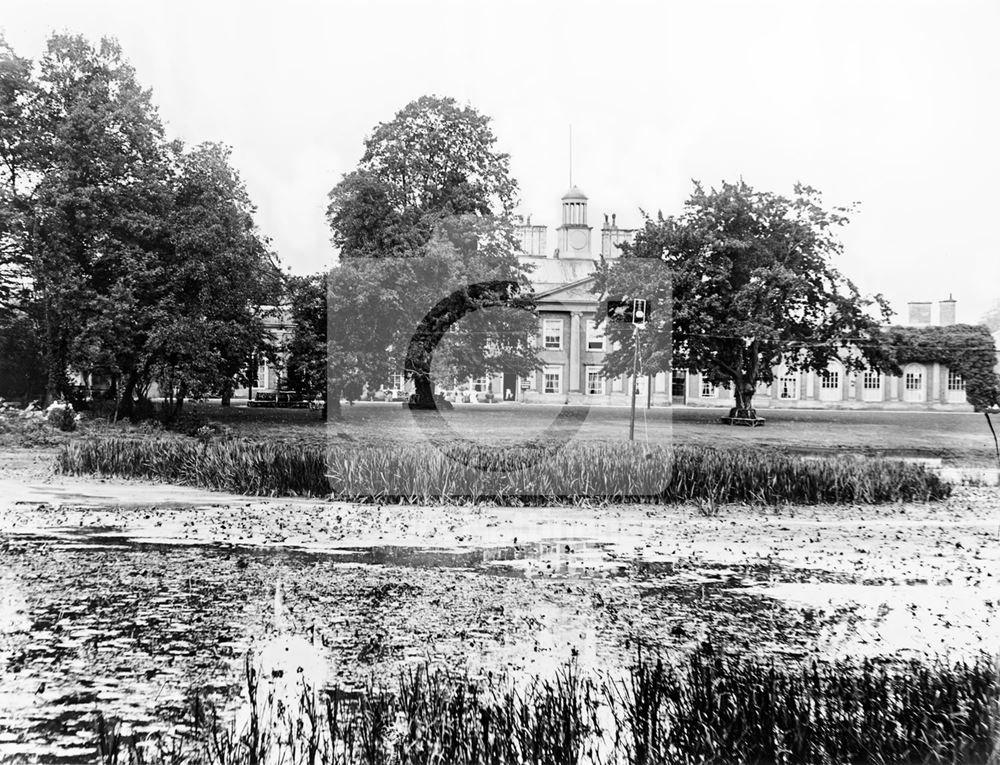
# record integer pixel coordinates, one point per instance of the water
(113, 619)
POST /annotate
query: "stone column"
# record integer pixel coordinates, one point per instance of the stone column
(574, 353)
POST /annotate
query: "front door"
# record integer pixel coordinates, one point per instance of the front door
(678, 381)
(509, 392)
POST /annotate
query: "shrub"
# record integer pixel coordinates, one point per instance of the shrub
(26, 427)
(60, 415)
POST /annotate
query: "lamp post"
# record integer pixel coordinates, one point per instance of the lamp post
(634, 311)
(638, 321)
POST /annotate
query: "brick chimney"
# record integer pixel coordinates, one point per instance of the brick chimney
(919, 314)
(947, 311)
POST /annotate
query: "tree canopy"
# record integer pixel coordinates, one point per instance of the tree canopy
(741, 282)
(305, 366)
(140, 257)
(421, 224)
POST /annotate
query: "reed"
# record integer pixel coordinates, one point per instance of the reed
(706, 707)
(535, 475)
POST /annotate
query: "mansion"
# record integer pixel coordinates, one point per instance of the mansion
(572, 349)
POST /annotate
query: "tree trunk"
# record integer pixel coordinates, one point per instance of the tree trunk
(744, 392)
(173, 402)
(227, 394)
(332, 402)
(55, 360)
(179, 399)
(55, 383)
(126, 404)
(423, 393)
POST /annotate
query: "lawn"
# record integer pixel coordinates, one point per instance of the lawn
(959, 438)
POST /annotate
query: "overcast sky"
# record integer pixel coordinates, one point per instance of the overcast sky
(894, 105)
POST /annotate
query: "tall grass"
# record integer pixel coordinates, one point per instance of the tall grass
(536, 475)
(707, 708)
(721, 708)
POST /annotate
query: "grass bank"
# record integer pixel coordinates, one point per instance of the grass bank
(537, 475)
(707, 708)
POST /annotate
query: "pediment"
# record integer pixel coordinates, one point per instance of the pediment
(578, 291)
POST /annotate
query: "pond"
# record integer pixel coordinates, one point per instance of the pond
(129, 611)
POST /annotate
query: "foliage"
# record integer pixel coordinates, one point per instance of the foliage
(85, 192)
(966, 349)
(741, 282)
(536, 475)
(137, 258)
(17, 92)
(306, 363)
(706, 707)
(60, 415)
(434, 160)
(424, 218)
(26, 428)
(219, 279)
(22, 365)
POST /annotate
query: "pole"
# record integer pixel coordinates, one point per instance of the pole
(251, 376)
(635, 378)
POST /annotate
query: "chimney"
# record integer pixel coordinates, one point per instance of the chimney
(919, 314)
(947, 311)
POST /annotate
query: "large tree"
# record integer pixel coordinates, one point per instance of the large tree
(741, 282)
(18, 91)
(218, 281)
(428, 257)
(136, 257)
(85, 190)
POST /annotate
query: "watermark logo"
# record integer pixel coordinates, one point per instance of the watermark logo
(470, 370)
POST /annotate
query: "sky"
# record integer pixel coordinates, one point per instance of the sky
(890, 104)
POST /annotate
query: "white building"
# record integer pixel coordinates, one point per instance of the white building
(572, 350)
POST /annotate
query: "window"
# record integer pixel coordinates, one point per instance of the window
(397, 381)
(595, 337)
(678, 380)
(552, 380)
(552, 331)
(955, 381)
(914, 380)
(595, 381)
(707, 389)
(481, 384)
(829, 379)
(872, 381)
(788, 387)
